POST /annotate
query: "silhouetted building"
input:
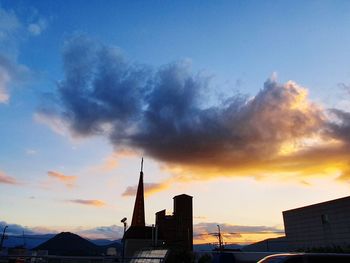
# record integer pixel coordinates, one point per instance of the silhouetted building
(137, 238)
(277, 244)
(325, 224)
(138, 216)
(177, 228)
(175, 231)
(138, 235)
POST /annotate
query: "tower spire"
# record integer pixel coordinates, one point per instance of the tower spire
(138, 216)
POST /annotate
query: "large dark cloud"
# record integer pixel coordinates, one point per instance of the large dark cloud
(340, 128)
(165, 113)
(99, 88)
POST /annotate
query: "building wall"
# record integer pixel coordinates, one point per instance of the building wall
(166, 226)
(320, 225)
(279, 244)
(134, 245)
(178, 228)
(184, 220)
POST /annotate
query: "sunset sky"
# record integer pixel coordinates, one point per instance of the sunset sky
(244, 105)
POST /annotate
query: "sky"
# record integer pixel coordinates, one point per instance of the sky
(244, 105)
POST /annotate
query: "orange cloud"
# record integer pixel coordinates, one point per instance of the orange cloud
(149, 189)
(68, 180)
(5, 179)
(208, 233)
(277, 133)
(96, 203)
(111, 162)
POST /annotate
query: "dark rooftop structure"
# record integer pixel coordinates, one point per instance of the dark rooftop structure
(178, 228)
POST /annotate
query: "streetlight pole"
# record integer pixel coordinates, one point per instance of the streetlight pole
(3, 237)
(123, 239)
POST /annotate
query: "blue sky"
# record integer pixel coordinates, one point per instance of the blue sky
(223, 49)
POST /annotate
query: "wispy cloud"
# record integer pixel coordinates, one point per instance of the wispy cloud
(68, 180)
(149, 189)
(112, 161)
(10, 73)
(31, 151)
(36, 28)
(13, 31)
(112, 232)
(5, 179)
(89, 202)
(56, 123)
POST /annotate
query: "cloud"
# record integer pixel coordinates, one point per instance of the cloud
(9, 69)
(9, 28)
(112, 232)
(30, 152)
(203, 232)
(68, 180)
(15, 229)
(56, 123)
(96, 203)
(38, 27)
(165, 113)
(237, 229)
(208, 232)
(149, 189)
(111, 162)
(5, 179)
(10, 73)
(12, 33)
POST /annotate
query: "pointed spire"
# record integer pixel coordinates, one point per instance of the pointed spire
(142, 165)
(138, 216)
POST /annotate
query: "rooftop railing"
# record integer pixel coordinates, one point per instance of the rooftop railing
(77, 259)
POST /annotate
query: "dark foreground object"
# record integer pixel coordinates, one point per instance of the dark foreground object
(307, 258)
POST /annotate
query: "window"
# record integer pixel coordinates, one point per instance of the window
(325, 219)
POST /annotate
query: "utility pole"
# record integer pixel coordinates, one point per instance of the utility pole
(3, 237)
(24, 240)
(220, 239)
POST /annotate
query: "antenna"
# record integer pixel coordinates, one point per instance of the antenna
(24, 240)
(142, 165)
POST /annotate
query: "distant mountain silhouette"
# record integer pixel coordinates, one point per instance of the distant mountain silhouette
(34, 242)
(69, 244)
(104, 242)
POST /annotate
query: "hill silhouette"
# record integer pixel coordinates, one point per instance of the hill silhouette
(69, 244)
